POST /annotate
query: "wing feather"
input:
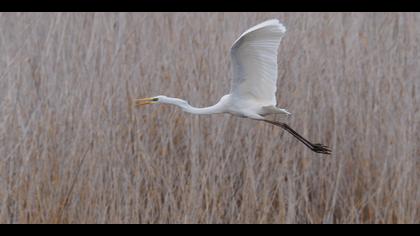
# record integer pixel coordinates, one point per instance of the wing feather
(254, 58)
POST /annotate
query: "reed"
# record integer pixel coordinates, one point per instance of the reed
(74, 150)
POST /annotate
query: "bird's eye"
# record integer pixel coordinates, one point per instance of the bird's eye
(155, 99)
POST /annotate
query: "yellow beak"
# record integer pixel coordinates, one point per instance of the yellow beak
(145, 101)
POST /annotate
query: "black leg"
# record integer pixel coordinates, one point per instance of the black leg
(318, 148)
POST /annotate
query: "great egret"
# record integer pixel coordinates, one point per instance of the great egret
(253, 88)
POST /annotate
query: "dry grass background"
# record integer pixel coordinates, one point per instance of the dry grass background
(73, 150)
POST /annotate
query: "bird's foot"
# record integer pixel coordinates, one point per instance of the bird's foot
(320, 148)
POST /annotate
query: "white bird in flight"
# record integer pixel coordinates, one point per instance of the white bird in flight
(253, 88)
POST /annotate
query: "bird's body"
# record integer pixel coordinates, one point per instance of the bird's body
(227, 104)
(253, 88)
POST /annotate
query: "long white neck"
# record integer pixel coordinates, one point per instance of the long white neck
(216, 108)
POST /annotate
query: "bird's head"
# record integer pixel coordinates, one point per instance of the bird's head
(150, 100)
(160, 99)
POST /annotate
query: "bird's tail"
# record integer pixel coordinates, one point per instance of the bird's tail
(283, 111)
(275, 110)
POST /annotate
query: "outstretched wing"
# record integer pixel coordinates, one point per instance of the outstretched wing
(254, 58)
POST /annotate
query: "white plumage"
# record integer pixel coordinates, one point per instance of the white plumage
(254, 58)
(253, 88)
